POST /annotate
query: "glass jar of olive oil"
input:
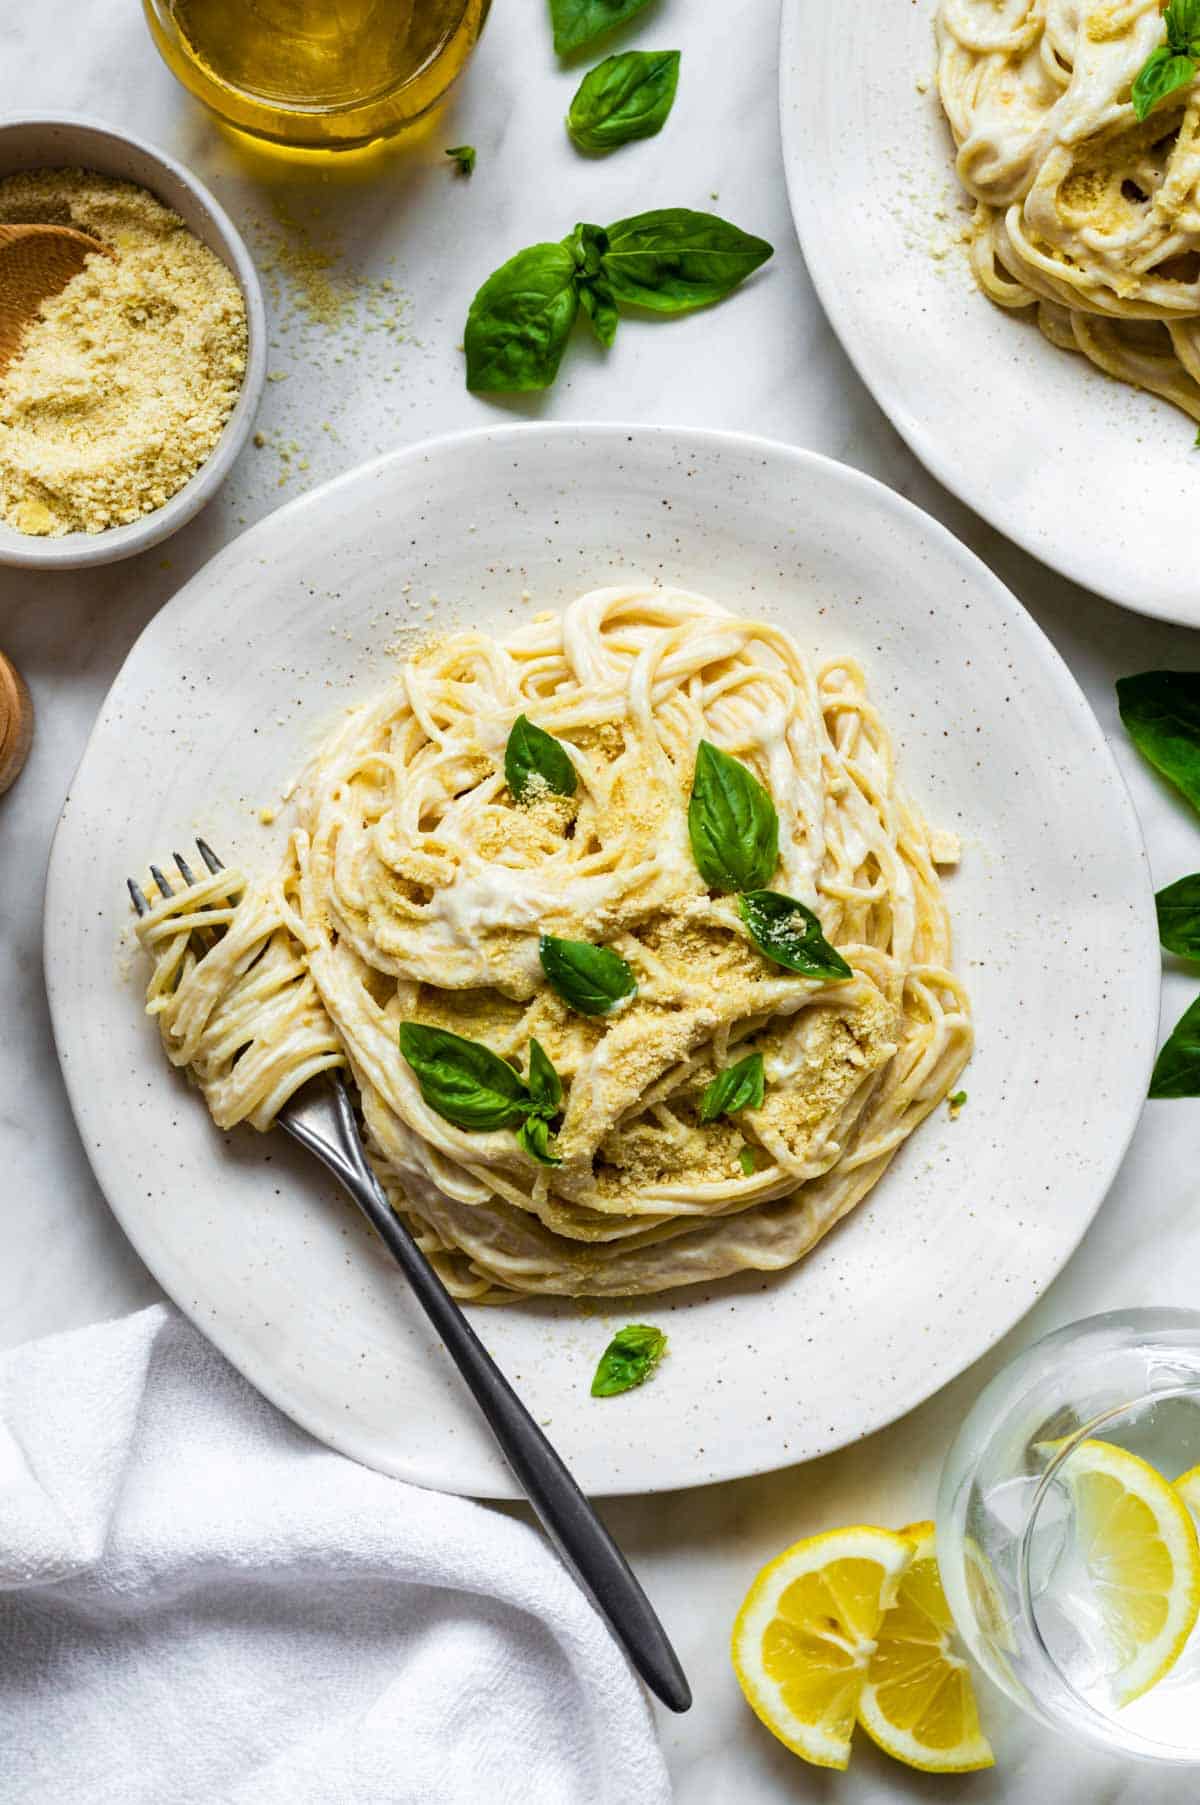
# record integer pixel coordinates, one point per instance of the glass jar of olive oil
(317, 74)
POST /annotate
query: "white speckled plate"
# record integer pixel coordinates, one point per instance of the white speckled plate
(230, 685)
(1093, 477)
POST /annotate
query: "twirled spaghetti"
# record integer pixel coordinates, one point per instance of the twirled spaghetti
(416, 888)
(1084, 213)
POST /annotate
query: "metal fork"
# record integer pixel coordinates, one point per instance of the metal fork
(321, 1117)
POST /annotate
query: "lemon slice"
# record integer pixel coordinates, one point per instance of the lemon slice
(918, 1703)
(806, 1633)
(1188, 1487)
(1138, 1542)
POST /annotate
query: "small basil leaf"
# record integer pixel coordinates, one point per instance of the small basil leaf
(1177, 1069)
(785, 931)
(1179, 917)
(624, 97)
(628, 1360)
(739, 1086)
(1182, 20)
(596, 300)
(1161, 712)
(520, 320)
(674, 259)
(592, 979)
(534, 760)
(1161, 74)
(545, 1085)
(464, 157)
(732, 823)
(579, 22)
(747, 1161)
(463, 1080)
(534, 1138)
(587, 244)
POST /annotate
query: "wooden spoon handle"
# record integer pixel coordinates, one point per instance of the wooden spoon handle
(16, 723)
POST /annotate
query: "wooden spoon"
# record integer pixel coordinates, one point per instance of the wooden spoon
(35, 263)
(16, 723)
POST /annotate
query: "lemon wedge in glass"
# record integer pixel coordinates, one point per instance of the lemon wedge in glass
(918, 1703)
(805, 1635)
(1138, 1544)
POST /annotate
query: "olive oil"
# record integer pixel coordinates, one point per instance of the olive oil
(317, 74)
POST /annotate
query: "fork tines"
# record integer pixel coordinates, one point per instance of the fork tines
(138, 895)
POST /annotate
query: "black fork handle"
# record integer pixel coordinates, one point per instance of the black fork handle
(568, 1519)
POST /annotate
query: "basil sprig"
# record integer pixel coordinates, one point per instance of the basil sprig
(533, 758)
(732, 823)
(740, 1086)
(592, 979)
(789, 934)
(1173, 65)
(628, 1360)
(1161, 713)
(469, 1085)
(1179, 917)
(578, 23)
(623, 98)
(669, 261)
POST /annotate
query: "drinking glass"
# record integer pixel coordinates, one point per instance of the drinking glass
(1010, 1551)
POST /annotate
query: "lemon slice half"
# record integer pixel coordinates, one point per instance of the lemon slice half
(1138, 1542)
(918, 1703)
(805, 1635)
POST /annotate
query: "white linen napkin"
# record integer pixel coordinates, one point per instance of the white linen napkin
(198, 1602)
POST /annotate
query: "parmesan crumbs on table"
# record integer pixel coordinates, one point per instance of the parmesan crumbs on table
(122, 387)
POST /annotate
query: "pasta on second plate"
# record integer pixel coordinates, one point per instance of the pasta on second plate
(418, 890)
(1084, 213)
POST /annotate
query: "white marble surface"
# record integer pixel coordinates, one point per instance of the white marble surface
(766, 363)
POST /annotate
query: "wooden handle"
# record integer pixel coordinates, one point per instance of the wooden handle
(16, 723)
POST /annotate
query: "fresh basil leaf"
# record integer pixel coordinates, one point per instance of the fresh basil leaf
(592, 979)
(534, 1137)
(957, 1101)
(785, 931)
(732, 823)
(580, 22)
(1182, 20)
(674, 259)
(1161, 74)
(535, 761)
(587, 244)
(747, 1162)
(739, 1086)
(628, 1360)
(1177, 1069)
(545, 1085)
(520, 320)
(464, 157)
(623, 98)
(1161, 712)
(596, 300)
(463, 1080)
(1179, 917)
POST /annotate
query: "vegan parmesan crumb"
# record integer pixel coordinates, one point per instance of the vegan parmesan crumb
(122, 387)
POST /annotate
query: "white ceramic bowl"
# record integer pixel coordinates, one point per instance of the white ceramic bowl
(65, 142)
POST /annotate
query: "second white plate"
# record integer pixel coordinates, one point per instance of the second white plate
(227, 691)
(1097, 479)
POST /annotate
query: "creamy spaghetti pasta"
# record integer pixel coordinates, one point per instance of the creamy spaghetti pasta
(1084, 213)
(416, 889)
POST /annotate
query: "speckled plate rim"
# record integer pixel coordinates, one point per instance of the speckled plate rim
(624, 1451)
(1151, 586)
